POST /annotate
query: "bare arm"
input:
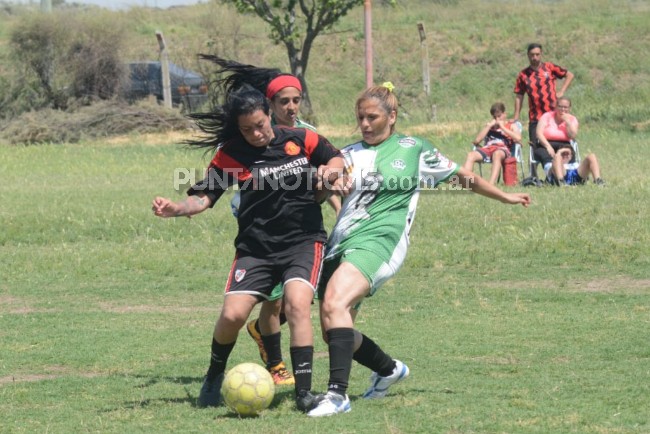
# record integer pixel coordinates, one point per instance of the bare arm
(567, 81)
(513, 133)
(163, 207)
(481, 134)
(519, 99)
(540, 136)
(329, 178)
(571, 127)
(481, 186)
(335, 203)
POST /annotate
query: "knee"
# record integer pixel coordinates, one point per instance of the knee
(297, 308)
(231, 319)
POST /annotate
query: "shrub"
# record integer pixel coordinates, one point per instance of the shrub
(63, 56)
(101, 119)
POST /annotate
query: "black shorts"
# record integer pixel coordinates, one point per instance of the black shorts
(541, 154)
(532, 132)
(259, 275)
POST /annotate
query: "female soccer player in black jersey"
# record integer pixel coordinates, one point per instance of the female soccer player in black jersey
(281, 234)
(284, 93)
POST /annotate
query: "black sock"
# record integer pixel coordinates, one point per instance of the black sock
(302, 359)
(371, 356)
(218, 358)
(273, 349)
(257, 326)
(283, 318)
(341, 347)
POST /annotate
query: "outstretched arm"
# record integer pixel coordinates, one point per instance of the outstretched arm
(163, 207)
(481, 186)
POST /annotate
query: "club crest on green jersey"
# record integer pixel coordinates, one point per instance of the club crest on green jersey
(398, 164)
(431, 158)
(406, 142)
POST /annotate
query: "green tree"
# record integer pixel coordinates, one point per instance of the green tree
(296, 24)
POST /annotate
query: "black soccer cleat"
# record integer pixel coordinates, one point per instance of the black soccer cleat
(210, 395)
(306, 400)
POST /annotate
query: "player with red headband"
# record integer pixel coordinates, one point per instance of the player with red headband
(284, 92)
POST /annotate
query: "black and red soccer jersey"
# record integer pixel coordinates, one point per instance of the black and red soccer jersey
(539, 84)
(278, 207)
(497, 135)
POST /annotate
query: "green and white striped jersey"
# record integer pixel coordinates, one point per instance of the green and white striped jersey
(379, 212)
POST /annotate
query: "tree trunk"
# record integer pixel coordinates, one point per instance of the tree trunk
(298, 63)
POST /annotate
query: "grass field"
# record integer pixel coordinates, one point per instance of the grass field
(511, 320)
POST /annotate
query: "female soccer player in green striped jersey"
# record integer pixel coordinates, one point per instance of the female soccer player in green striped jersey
(369, 241)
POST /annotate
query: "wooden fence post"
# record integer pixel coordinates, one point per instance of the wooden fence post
(424, 52)
(164, 67)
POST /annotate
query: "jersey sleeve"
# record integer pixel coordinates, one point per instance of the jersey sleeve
(219, 176)
(435, 167)
(557, 70)
(520, 85)
(320, 150)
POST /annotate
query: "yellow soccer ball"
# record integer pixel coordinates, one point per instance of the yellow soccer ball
(248, 389)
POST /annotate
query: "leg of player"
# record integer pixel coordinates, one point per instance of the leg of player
(297, 301)
(346, 344)
(386, 371)
(271, 338)
(265, 324)
(236, 309)
(265, 331)
(345, 288)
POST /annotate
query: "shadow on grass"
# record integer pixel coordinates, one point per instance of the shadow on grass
(150, 381)
(191, 395)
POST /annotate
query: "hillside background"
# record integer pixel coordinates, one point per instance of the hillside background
(475, 48)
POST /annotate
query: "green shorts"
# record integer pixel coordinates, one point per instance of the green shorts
(374, 268)
(277, 292)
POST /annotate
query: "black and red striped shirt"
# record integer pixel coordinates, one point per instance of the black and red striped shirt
(278, 207)
(539, 84)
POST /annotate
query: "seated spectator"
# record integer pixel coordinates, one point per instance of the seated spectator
(555, 129)
(494, 141)
(566, 173)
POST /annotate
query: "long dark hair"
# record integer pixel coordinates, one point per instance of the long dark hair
(221, 125)
(238, 74)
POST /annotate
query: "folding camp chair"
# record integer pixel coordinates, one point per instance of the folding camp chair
(515, 151)
(533, 163)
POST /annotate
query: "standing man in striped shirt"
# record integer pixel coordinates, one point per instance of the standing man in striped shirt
(538, 82)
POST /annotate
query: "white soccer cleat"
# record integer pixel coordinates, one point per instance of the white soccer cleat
(332, 403)
(379, 385)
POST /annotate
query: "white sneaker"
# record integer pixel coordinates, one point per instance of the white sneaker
(379, 385)
(333, 403)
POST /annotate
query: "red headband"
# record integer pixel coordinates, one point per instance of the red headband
(280, 82)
